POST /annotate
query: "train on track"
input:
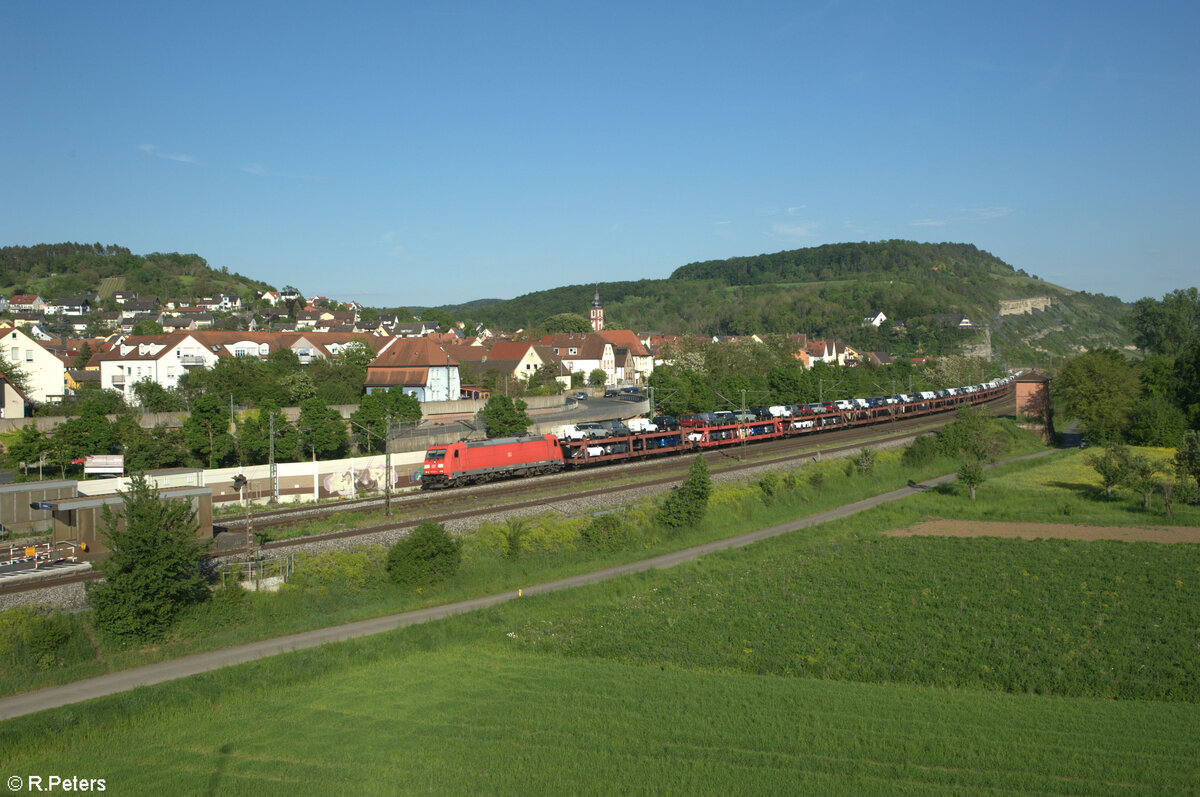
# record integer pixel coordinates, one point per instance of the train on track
(475, 462)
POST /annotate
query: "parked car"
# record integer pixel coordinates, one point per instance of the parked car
(666, 423)
(591, 430)
(612, 392)
(640, 425)
(615, 428)
(581, 396)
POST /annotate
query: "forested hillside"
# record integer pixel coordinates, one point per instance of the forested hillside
(54, 271)
(828, 290)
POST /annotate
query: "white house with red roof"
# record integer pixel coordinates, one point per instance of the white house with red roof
(47, 375)
(418, 366)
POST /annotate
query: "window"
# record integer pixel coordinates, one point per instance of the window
(574, 351)
(16, 352)
(29, 355)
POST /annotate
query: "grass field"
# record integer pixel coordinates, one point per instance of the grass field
(833, 660)
(383, 717)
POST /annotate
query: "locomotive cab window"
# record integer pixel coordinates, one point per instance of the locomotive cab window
(456, 455)
(437, 453)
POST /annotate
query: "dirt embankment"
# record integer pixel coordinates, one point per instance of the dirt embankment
(1043, 531)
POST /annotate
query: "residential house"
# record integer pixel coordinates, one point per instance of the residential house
(147, 306)
(26, 303)
(3, 303)
(46, 372)
(584, 353)
(416, 329)
(221, 303)
(271, 297)
(13, 403)
(874, 320)
(417, 366)
(633, 362)
(953, 320)
(120, 297)
(76, 305)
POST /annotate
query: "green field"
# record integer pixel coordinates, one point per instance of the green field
(831, 660)
(387, 717)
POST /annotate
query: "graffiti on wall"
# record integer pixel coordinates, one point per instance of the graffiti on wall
(354, 480)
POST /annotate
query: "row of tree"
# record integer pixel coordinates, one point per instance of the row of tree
(210, 436)
(701, 377)
(1148, 402)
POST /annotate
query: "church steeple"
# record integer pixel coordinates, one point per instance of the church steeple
(597, 313)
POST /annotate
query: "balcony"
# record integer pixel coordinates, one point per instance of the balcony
(118, 379)
(191, 360)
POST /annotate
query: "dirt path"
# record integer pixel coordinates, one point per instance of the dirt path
(1043, 531)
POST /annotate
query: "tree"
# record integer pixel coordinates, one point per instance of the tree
(1170, 326)
(597, 377)
(974, 438)
(1141, 476)
(1099, 388)
(1156, 422)
(370, 419)
(428, 554)
(206, 430)
(686, 506)
(84, 355)
(1187, 455)
(357, 353)
(25, 446)
(505, 417)
(16, 374)
(153, 568)
(153, 397)
(146, 327)
(1111, 465)
(322, 430)
(566, 322)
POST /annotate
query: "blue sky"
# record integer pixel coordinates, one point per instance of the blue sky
(427, 153)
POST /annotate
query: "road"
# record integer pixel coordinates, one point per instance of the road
(54, 697)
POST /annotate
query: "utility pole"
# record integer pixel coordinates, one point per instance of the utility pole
(274, 469)
(387, 459)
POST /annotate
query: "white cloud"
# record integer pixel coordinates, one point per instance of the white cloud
(997, 212)
(800, 229)
(156, 152)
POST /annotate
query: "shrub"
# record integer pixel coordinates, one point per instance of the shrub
(816, 479)
(40, 639)
(608, 533)
(153, 570)
(921, 452)
(770, 484)
(864, 463)
(338, 570)
(686, 506)
(426, 555)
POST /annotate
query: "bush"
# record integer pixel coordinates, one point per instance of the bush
(687, 505)
(340, 570)
(40, 639)
(921, 452)
(153, 569)
(865, 462)
(608, 534)
(770, 484)
(426, 555)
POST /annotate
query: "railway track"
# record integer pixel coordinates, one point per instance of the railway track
(532, 492)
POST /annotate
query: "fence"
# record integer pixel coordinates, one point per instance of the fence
(259, 574)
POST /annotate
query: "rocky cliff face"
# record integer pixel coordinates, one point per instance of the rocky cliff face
(1023, 306)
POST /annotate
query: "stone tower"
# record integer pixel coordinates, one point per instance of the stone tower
(597, 313)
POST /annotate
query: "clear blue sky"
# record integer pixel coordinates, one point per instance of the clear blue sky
(406, 153)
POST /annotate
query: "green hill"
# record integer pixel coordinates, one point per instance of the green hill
(54, 271)
(828, 290)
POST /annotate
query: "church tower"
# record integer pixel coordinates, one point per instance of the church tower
(597, 313)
